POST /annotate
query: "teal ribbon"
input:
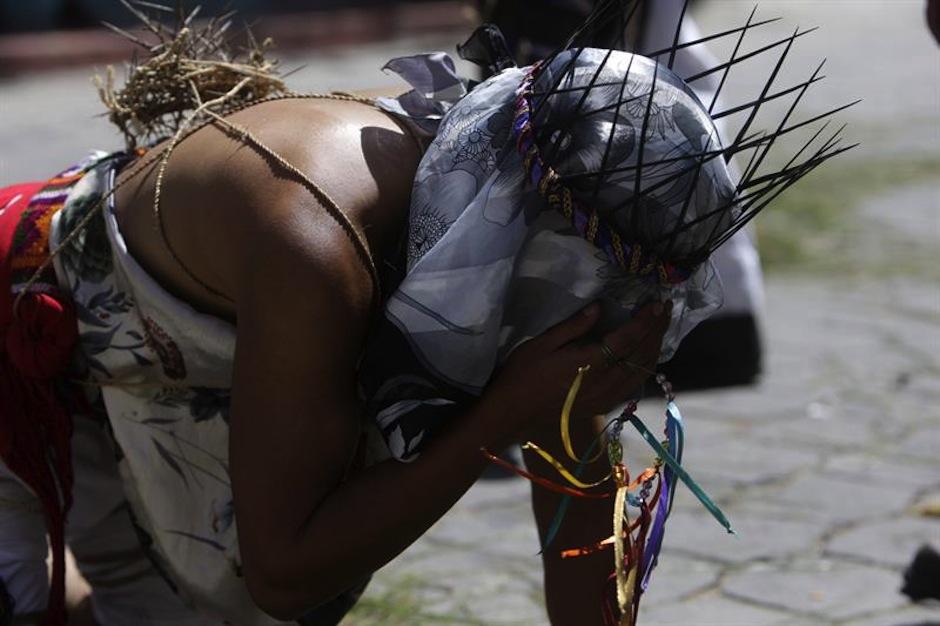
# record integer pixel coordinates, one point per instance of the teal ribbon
(562, 509)
(681, 473)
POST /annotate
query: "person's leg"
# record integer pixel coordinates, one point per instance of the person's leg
(126, 588)
(24, 578)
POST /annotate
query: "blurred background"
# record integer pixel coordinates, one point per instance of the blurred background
(829, 466)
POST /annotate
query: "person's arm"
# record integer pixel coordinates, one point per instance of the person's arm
(305, 533)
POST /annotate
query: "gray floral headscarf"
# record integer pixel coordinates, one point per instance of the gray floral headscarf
(489, 266)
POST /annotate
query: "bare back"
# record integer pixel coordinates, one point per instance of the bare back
(217, 189)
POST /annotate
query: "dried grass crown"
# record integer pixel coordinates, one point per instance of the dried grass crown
(615, 142)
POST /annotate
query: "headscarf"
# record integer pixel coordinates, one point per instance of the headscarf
(490, 264)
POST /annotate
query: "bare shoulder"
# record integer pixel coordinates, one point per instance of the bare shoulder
(229, 204)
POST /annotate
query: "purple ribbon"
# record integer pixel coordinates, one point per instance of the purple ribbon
(674, 435)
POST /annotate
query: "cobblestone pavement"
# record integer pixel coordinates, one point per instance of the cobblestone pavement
(821, 467)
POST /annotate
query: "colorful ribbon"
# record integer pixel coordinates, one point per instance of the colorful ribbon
(637, 543)
(681, 473)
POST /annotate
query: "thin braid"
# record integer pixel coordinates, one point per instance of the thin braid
(352, 231)
(161, 173)
(334, 211)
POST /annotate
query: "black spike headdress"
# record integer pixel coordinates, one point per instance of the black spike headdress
(596, 144)
(683, 203)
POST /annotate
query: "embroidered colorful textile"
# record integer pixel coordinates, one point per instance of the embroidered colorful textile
(37, 335)
(29, 248)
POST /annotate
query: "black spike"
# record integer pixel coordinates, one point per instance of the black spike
(808, 143)
(731, 203)
(681, 46)
(744, 220)
(767, 85)
(712, 37)
(734, 53)
(750, 172)
(601, 9)
(705, 216)
(685, 204)
(773, 96)
(608, 107)
(705, 156)
(789, 167)
(641, 145)
(774, 189)
(829, 143)
(558, 79)
(773, 180)
(753, 157)
(550, 158)
(675, 41)
(148, 23)
(747, 56)
(818, 117)
(613, 128)
(749, 143)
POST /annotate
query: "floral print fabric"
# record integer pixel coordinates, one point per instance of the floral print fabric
(164, 371)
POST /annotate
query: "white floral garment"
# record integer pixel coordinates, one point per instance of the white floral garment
(165, 373)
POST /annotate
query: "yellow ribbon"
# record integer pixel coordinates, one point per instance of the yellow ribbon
(620, 517)
(566, 411)
(561, 469)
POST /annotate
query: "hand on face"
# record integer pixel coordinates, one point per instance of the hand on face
(535, 379)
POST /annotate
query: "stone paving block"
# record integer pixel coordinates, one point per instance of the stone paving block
(923, 385)
(741, 404)
(829, 589)
(757, 537)
(911, 616)
(710, 610)
(873, 468)
(700, 431)
(677, 576)
(889, 542)
(827, 424)
(719, 488)
(746, 462)
(924, 443)
(463, 583)
(489, 533)
(832, 500)
(508, 606)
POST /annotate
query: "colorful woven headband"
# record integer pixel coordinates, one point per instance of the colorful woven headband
(630, 257)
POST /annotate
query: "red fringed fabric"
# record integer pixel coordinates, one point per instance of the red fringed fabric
(36, 342)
